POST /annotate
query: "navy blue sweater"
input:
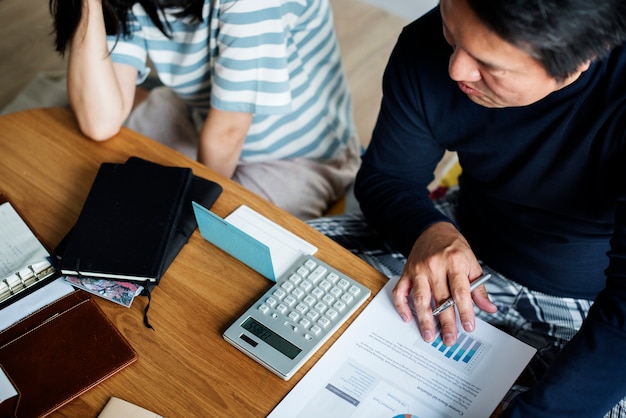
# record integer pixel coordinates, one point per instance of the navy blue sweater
(542, 200)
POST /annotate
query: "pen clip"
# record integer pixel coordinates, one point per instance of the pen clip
(448, 303)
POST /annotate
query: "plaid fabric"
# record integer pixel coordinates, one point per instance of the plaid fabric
(352, 232)
(543, 321)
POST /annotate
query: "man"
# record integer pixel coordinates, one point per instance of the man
(532, 96)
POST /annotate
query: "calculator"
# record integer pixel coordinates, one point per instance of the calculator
(292, 320)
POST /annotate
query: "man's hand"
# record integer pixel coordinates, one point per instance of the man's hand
(441, 264)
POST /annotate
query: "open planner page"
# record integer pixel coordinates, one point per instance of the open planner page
(18, 245)
(23, 258)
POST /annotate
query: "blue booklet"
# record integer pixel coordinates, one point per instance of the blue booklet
(251, 238)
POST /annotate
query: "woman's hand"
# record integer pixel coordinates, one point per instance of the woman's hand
(100, 92)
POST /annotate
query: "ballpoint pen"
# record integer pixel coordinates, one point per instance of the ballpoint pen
(450, 302)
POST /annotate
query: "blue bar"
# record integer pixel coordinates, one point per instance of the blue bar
(455, 346)
(471, 353)
(437, 341)
(462, 350)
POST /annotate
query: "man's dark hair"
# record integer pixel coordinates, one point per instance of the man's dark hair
(560, 34)
(67, 15)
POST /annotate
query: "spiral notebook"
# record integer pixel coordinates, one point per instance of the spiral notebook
(25, 263)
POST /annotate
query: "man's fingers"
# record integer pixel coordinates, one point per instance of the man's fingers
(464, 304)
(401, 298)
(422, 298)
(447, 324)
(482, 301)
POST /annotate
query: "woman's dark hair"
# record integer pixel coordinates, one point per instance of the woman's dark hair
(560, 34)
(67, 15)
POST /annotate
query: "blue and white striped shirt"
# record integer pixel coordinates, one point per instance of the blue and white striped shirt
(277, 59)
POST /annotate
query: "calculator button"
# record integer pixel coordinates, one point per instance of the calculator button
(302, 308)
(306, 285)
(312, 315)
(347, 298)
(310, 264)
(317, 292)
(302, 271)
(323, 321)
(309, 300)
(315, 329)
(354, 291)
(271, 301)
(295, 279)
(289, 300)
(279, 293)
(308, 337)
(317, 273)
(343, 283)
(332, 277)
(325, 284)
(335, 291)
(339, 305)
(293, 315)
(264, 308)
(297, 293)
(331, 313)
(287, 285)
(328, 299)
(291, 326)
(320, 307)
(282, 308)
(305, 322)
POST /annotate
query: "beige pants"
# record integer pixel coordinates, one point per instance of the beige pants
(303, 187)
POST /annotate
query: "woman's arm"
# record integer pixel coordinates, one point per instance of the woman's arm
(100, 92)
(221, 140)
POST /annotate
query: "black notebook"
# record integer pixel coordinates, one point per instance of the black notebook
(202, 191)
(128, 220)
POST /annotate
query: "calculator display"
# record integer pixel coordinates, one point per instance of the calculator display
(270, 337)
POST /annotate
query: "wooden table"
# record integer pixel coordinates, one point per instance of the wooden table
(184, 368)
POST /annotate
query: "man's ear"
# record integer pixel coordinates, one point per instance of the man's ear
(583, 67)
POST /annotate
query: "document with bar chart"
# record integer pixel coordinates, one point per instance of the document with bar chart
(381, 367)
(465, 355)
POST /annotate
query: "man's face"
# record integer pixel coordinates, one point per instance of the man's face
(490, 71)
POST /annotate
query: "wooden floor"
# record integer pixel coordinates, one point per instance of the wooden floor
(366, 36)
(25, 45)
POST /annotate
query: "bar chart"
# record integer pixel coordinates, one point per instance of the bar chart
(465, 355)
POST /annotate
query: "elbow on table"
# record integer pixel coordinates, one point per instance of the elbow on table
(98, 130)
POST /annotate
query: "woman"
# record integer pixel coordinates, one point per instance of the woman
(259, 82)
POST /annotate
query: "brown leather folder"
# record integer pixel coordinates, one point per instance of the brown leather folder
(57, 353)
